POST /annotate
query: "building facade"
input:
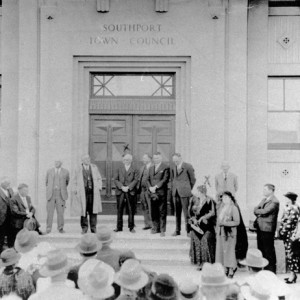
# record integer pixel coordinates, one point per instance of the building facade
(210, 79)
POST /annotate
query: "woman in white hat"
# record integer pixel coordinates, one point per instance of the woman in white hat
(95, 279)
(131, 278)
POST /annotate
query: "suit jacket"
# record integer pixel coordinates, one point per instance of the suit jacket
(18, 211)
(160, 178)
(64, 178)
(230, 185)
(267, 213)
(183, 182)
(4, 206)
(142, 183)
(123, 178)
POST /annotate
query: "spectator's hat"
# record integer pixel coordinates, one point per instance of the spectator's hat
(9, 257)
(96, 278)
(56, 263)
(131, 275)
(26, 240)
(88, 244)
(164, 288)
(214, 275)
(291, 196)
(43, 248)
(188, 290)
(255, 259)
(105, 235)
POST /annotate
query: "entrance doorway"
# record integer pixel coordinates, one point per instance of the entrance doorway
(112, 135)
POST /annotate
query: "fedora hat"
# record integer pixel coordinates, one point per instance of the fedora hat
(96, 278)
(26, 240)
(255, 259)
(131, 275)
(163, 288)
(105, 235)
(188, 290)
(56, 263)
(88, 244)
(9, 257)
(127, 254)
(214, 275)
(291, 196)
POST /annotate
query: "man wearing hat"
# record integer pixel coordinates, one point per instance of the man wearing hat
(254, 261)
(13, 279)
(106, 253)
(56, 267)
(131, 278)
(95, 280)
(189, 290)
(163, 288)
(87, 248)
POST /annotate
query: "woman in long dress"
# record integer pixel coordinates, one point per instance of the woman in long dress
(287, 229)
(202, 222)
(228, 218)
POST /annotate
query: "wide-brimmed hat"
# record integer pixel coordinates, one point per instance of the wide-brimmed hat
(291, 196)
(9, 257)
(256, 290)
(56, 263)
(214, 275)
(131, 275)
(255, 259)
(26, 240)
(105, 235)
(88, 244)
(96, 278)
(188, 290)
(163, 288)
(127, 254)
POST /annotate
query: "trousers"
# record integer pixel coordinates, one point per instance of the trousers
(89, 195)
(128, 201)
(55, 203)
(146, 207)
(181, 204)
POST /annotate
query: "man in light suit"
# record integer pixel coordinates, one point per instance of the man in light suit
(226, 181)
(5, 194)
(21, 209)
(158, 178)
(183, 180)
(126, 178)
(143, 190)
(57, 180)
(266, 213)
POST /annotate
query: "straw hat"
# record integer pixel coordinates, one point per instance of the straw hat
(188, 290)
(95, 278)
(105, 235)
(88, 244)
(255, 259)
(56, 263)
(26, 240)
(131, 275)
(9, 257)
(214, 275)
(163, 288)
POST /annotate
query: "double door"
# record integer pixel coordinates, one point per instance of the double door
(113, 135)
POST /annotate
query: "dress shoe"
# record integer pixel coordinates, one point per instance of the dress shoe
(117, 230)
(293, 280)
(83, 232)
(41, 232)
(132, 230)
(61, 231)
(146, 228)
(162, 234)
(176, 233)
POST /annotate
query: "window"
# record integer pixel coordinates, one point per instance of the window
(132, 85)
(284, 113)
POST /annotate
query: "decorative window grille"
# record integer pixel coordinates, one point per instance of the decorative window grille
(116, 85)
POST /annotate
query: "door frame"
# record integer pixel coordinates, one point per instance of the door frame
(84, 65)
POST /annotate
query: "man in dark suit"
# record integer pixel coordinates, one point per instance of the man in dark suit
(21, 209)
(266, 213)
(57, 180)
(158, 179)
(143, 190)
(126, 178)
(183, 180)
(5, 195)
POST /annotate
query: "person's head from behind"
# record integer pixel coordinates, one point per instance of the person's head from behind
(125, 255)
(163, 287)
(127, 159)
(147, 158)
(5, 183)
(157, 158)
(254, 261)
(23, 189)
(268, 190)
(177, 159)
(89, 245)
(9, 258)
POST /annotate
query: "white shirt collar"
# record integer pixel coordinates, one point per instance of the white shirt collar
(5, 192)
(148, 165)
(157, 166)
(179, 166)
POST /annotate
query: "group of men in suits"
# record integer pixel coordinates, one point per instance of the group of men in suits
(151, 183)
